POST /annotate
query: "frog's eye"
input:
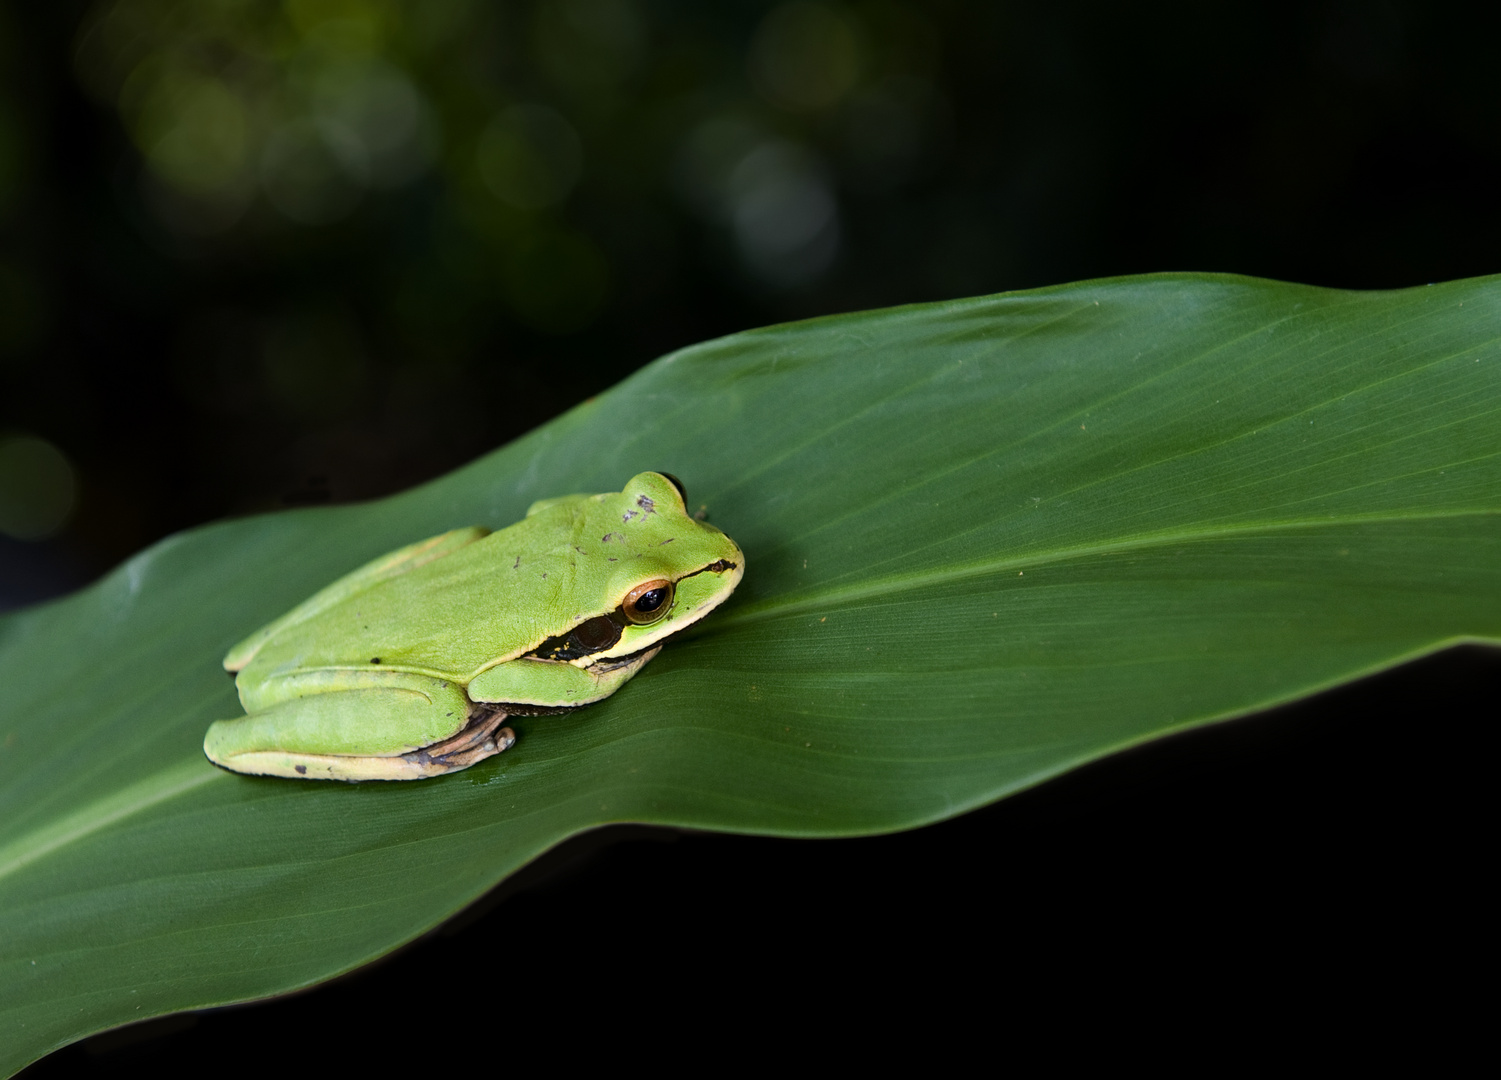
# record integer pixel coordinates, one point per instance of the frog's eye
(682, 491)
(648, 602)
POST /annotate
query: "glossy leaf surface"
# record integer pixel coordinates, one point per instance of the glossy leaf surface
(986, 541)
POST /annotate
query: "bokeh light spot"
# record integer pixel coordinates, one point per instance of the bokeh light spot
(37, 488)
(194, 132)
(589, 46)
(356, 24)
(530, 157)
(313, 173)
(805, 56)
(786, 218)
(382, 115)
(707, 159)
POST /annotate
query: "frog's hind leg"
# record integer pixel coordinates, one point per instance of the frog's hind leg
(355, 725)
(484, 737)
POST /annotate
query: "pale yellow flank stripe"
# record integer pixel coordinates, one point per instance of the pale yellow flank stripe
(99, 815)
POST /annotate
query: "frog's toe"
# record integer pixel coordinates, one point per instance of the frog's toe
(483, 738)
(501, 741)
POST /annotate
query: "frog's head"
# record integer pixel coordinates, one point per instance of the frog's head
(667, 569)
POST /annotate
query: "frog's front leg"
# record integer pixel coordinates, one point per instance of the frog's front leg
(354, 724)
(555, 684)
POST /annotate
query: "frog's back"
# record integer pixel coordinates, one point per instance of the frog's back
(495, 598)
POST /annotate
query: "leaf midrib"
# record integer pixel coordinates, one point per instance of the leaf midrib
(157, 788)
(819, 599)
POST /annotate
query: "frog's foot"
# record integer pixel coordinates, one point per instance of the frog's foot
(482, 738)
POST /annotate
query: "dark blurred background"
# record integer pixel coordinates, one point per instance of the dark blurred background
(261, 254)
(257, 254)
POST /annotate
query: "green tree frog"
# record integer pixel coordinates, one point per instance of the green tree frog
(407, 667)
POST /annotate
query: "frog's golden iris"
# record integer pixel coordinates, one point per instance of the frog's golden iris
(648, 603)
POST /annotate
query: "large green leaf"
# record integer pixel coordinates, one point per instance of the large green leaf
(986, 541)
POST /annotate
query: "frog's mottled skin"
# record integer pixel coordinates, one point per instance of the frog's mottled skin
(405, 668)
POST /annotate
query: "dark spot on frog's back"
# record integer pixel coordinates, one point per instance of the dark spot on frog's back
(375, 659)
(646, 504)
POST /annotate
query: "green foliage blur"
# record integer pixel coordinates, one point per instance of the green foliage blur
(268, 253)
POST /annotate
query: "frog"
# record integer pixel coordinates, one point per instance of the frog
(408, 667)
